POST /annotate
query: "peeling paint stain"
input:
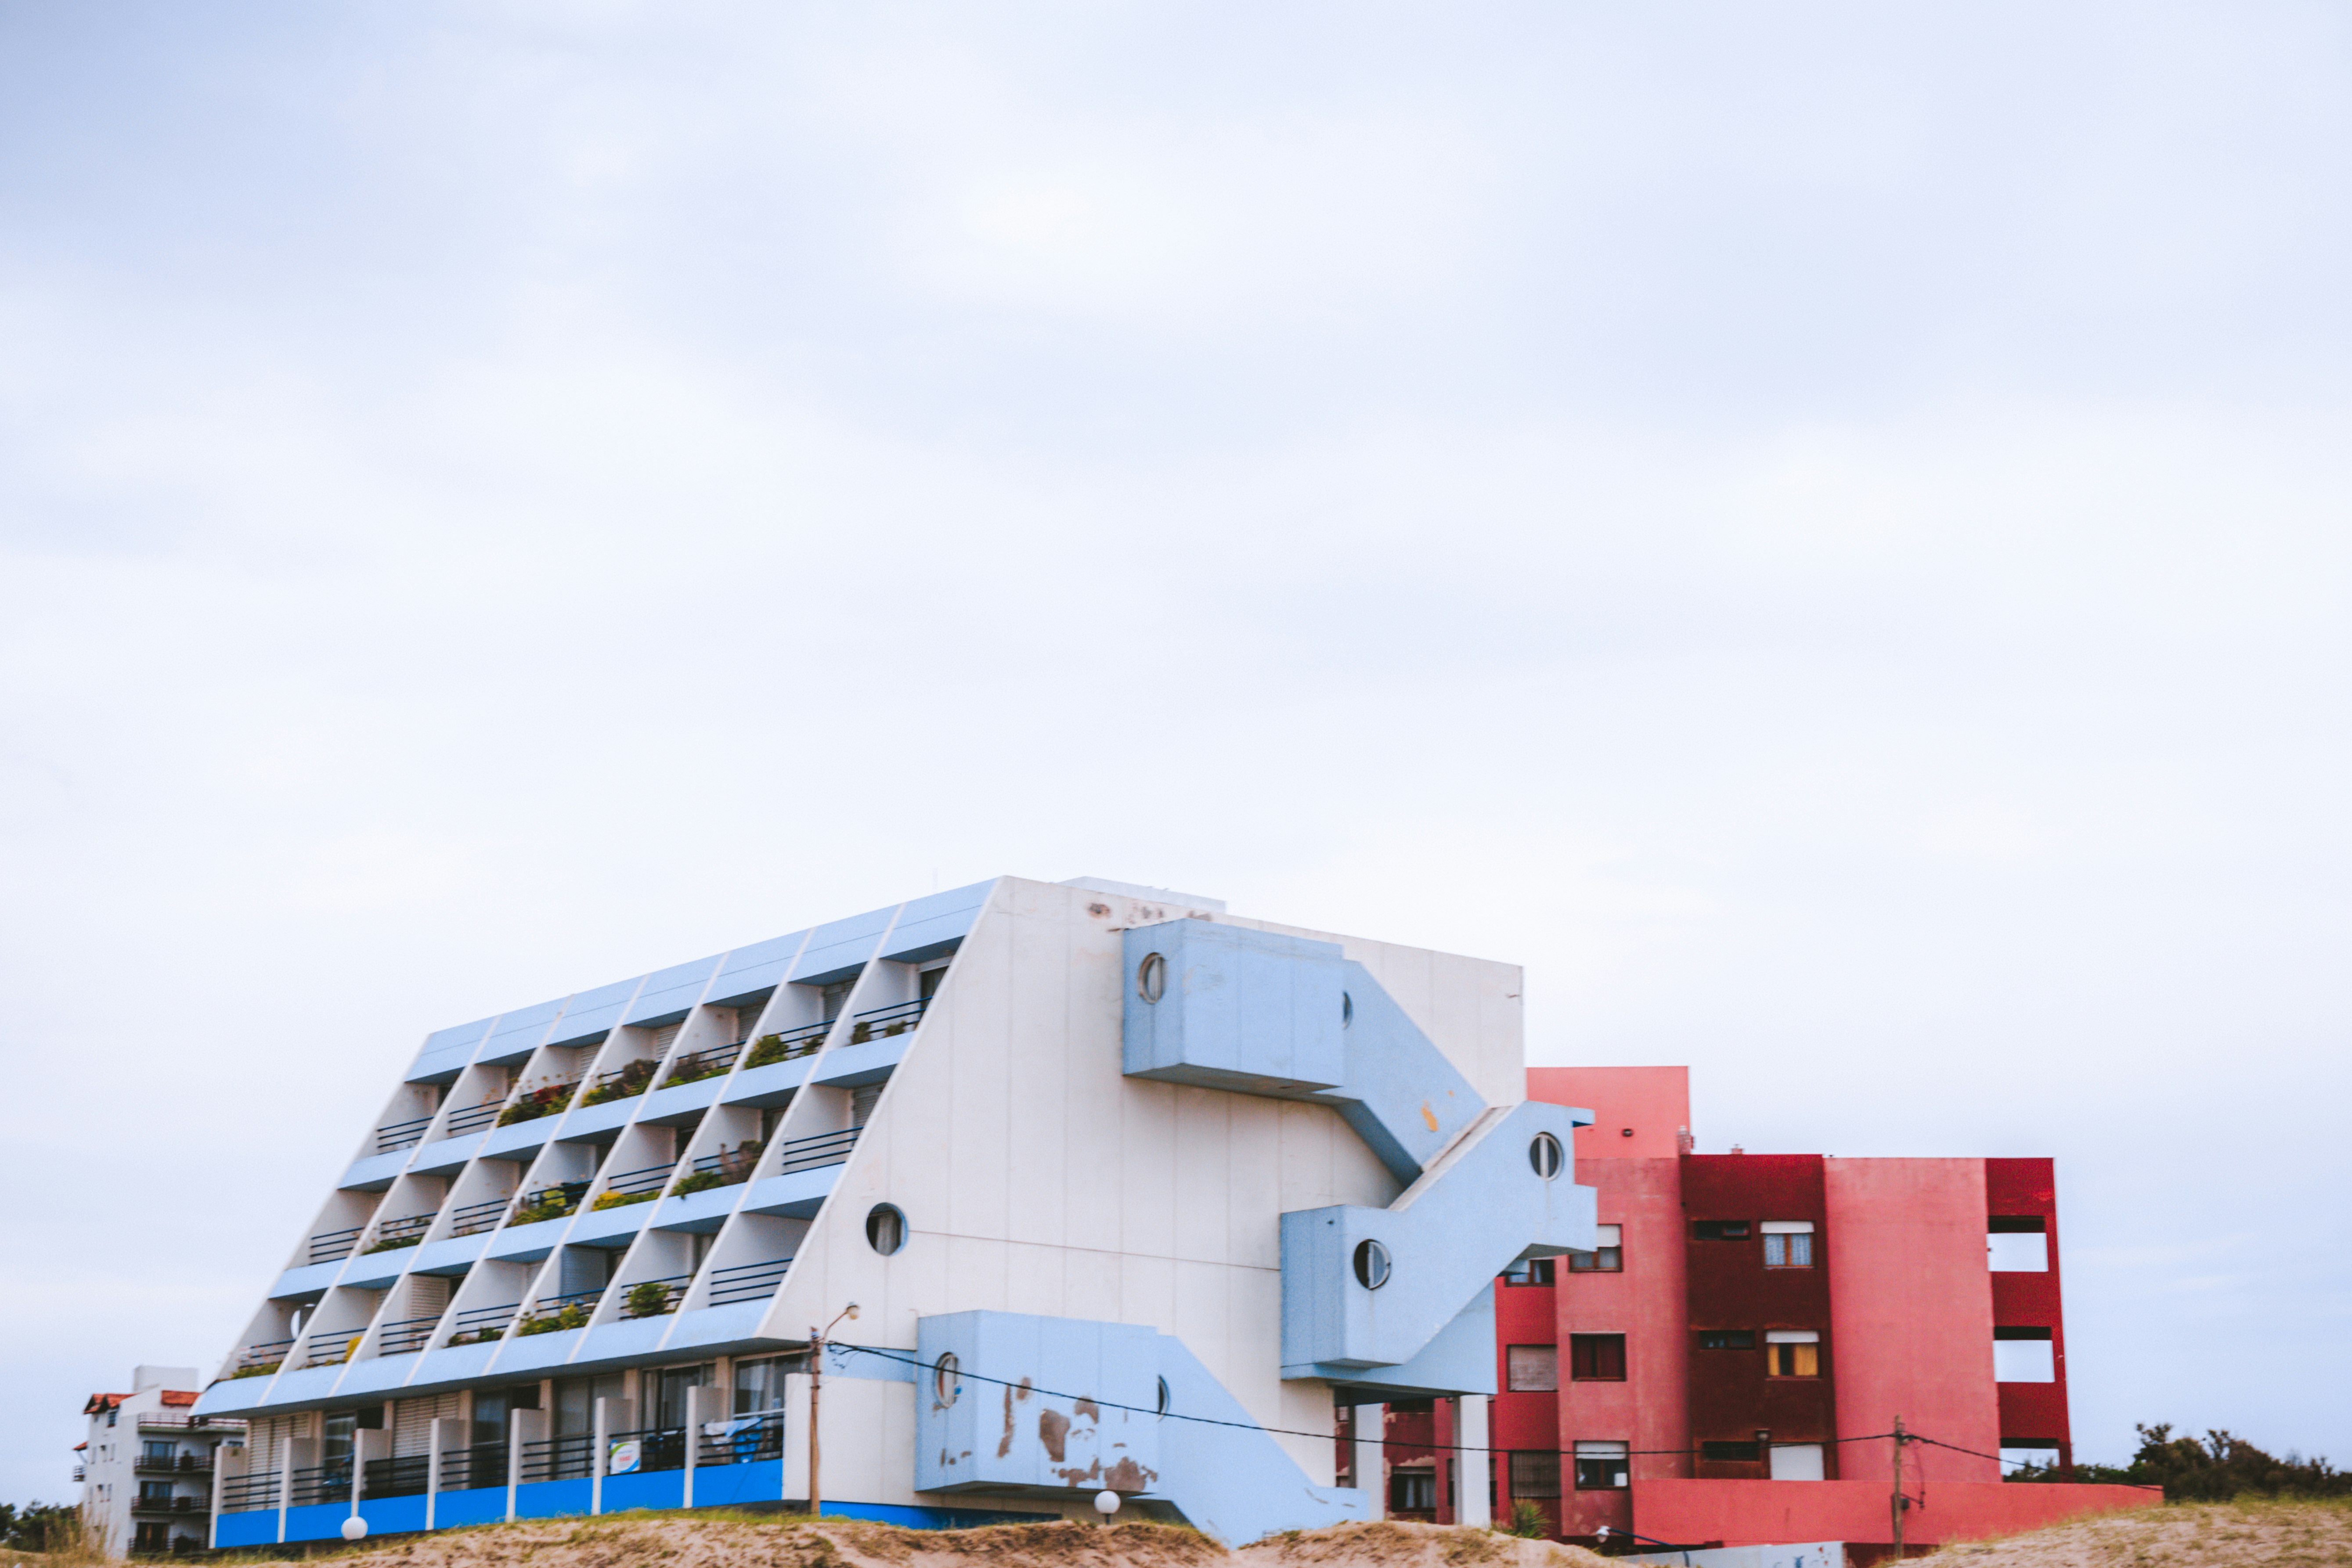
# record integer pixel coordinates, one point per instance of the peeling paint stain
(1024, 1391)
(1088, 1408)
(1428, 1116)
(1098, 910)
(1054, 1431)
(1004, 1446)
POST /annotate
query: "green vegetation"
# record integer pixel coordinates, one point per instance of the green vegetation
(2221, 1467)
(626, 1084)
(535, 1103)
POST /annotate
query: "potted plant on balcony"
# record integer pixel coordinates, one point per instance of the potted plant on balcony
(534, 1104)
(626, 1084)
(650, 1299)
(765, 1050)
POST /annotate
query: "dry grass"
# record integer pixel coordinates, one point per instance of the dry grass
(2249, 1533)
(788, 1540)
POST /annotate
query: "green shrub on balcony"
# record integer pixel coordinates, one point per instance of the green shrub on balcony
(767, 1049)
(623, 1200)
(693, 1069)
(626, 1084)
(571, 1316)
(532, 1104)
(700, 1182)
(262, 1369)
(552, 1204)
(650, 1299)
(396, 1243)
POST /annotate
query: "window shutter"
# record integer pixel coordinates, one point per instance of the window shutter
(862, 1101)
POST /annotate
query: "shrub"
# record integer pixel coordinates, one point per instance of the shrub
(2221, 1467)
(623, 1200)
(699, 1181)
(552, 1204)
(395, 1244)
(262, 1369)
(570, 1316)
(629, 1082)
(650, 1299)
(766, 1049)
(693, 1069)
(1528, 1521)
(532, 1104)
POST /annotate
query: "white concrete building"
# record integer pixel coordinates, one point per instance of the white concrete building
(1129, 1192)
(147, 1463)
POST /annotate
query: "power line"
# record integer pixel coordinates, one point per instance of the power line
(1383, 1440)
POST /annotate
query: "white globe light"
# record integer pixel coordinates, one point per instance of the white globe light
(1105, 1503)
(355, 1528)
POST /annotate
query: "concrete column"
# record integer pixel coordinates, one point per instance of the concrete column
(603, 1435)
(367, 1444)
(228, 1464)
(701, 1405)
(445, 1433)
(523, 1427)
(1470, 1506)
(1372, 1457)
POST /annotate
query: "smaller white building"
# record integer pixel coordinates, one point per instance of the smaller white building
(147, 1463)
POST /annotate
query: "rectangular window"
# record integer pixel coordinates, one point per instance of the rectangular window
(2024, 1355)
(1533, 1369)
(155, 1452)
(1532, 1271)
(1792, 1352)
(1788, 1244)
(1596, 1358)
(1606, 1256)
(1797, 1462)
(1535, 1475)
(759, 1384)
(1720, 1229)
(2017, 1244)
(1412, 1491)
(1731, 1453)
(1726, 1339)
(669, 1401)
(154, 1491)
(149, 1538)
(1601, 1467)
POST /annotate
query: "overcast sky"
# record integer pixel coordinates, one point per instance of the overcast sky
(1820, 530)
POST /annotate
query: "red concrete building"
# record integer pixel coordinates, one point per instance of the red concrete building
(1728, 1366)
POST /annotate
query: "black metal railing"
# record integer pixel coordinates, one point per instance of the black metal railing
(405, 1476)
(401, 1134)
(481, 1465)
(474, 1217)
(481, 1325)
(182, 1418)
(639, 1299)
(548, 1203)
(241, 1493)
(824, 1148)
(805, 1041)
(558, 1458)
(554, 1314)
(321, 1483)
(881, 1023)
(409, 1334)
(696, 1066)
(648, 1183)
(175, 1462)
(742, 1439)
(473, 1119)
(330, 1347)
(331, 1244)
(394, 1234)
(658, 1447)
(747, 1281)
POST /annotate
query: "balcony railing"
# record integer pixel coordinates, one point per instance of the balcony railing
(472, 1120)
(330, 1347)
(481, 1325)
(881, 1023)
(321, 1483)
(174, 1462)
(548, 1100)
(548, 1203)
(724, 1169)
(558, 1458)
(625, 1082)
(394, 1234)
(401, 1134)
(402, 1477)
(636, 1186)
(743, 1440)
(482, 1464)
(696, 1066)
(182, 1418)
(408, 1334)
(658, 1447)
(260, 1361)
(240, 1494)
(476, 1218)
(655, 1297)
(145, 1504)
(328, 1246)
(824, 1148)
(805, 1041)
(554, 1314)
(747, 1281)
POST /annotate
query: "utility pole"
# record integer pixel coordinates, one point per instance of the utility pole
(816, 1385)
(1900, 1502)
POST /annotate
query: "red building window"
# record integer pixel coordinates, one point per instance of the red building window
(1601, 1467)
(1596, 1358)
(1788, 1244)
(1535, 1475)
(1606, 1258)
(1532, 1369)
(1792, 1352)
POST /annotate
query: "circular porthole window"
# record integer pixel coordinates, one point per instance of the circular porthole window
(1163, 1397)
(1545, 1156)
(944, 1386)
(1372, 1265)
(886, 1229)
(1347, 1009)
(1151, 977)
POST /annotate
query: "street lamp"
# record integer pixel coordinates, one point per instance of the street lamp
(817, 1383)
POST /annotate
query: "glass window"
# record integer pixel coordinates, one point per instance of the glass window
(669, 1400)
(1530, 1271)
(1596, 1358)
(575, 1403)
(335, 1437)
(1532, 1369)
(759, 1384)
(1535, 1475)
(1720, 1229)
(1602, 1467)
(1732, 1453)
(1608, 1257)
(1788, 1244)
